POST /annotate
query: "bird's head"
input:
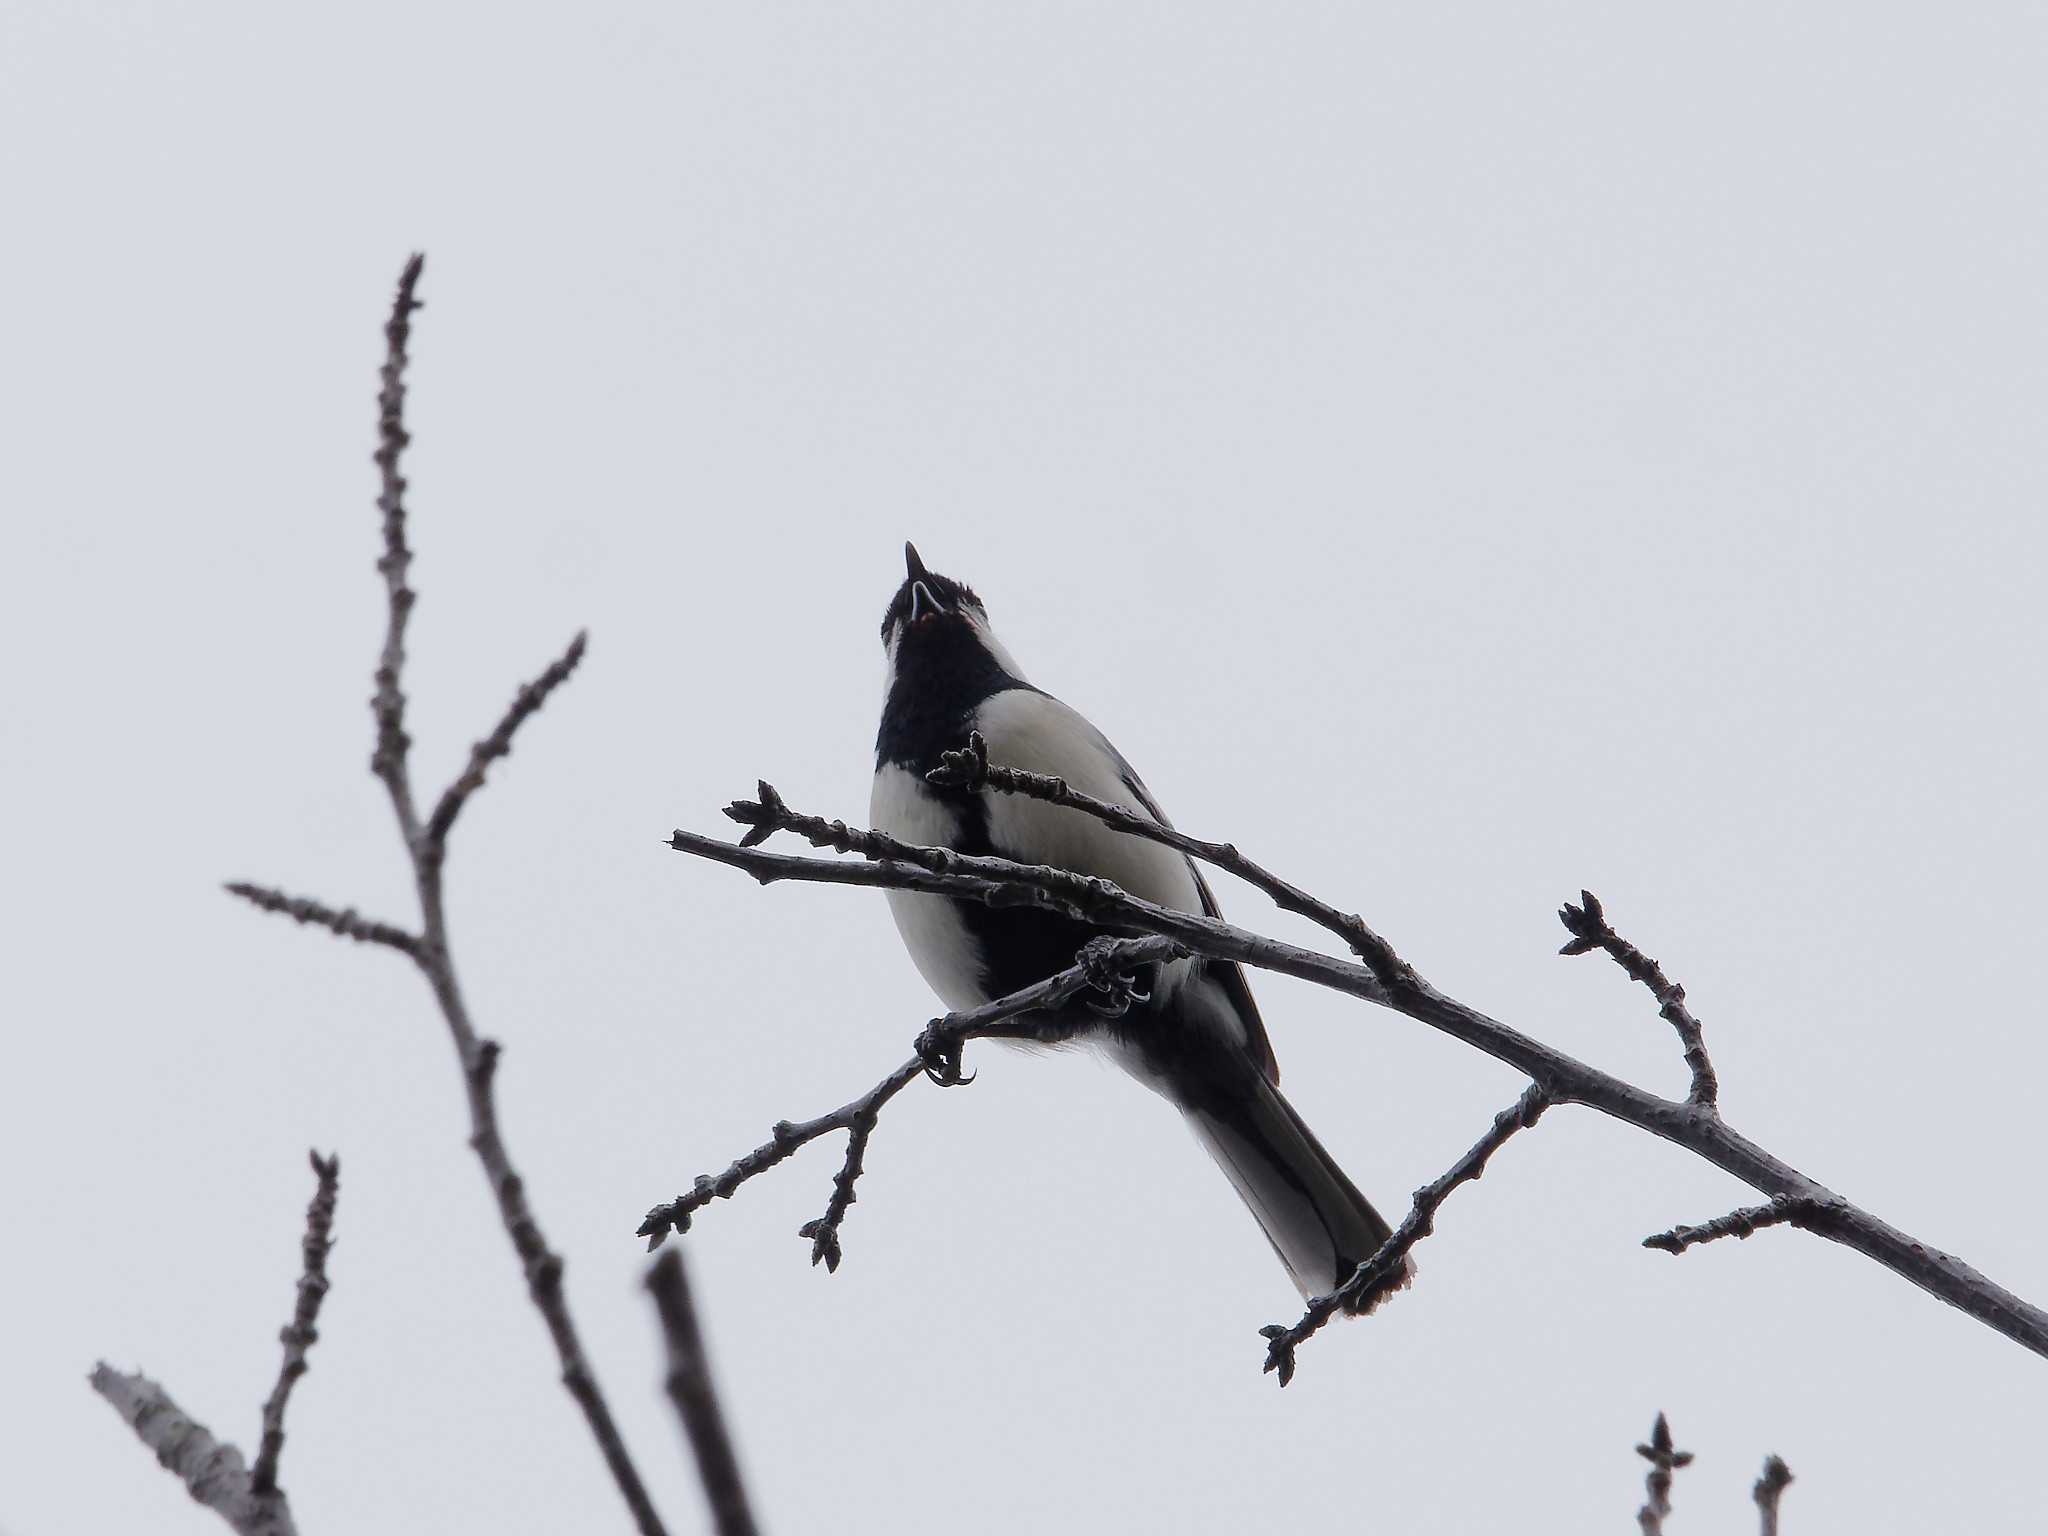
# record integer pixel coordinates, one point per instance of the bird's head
(933, 618)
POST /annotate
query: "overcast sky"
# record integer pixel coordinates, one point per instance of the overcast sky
(1461, 453)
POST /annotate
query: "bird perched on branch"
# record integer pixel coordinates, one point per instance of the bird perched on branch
(1189, 1030)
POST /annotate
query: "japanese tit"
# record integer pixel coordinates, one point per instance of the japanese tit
(1193, 1034)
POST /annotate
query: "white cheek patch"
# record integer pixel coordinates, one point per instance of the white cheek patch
(932, 928)
(978, 622)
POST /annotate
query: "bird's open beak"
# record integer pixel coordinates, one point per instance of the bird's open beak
(923, 603)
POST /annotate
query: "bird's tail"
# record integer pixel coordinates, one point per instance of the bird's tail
(1313, 1215)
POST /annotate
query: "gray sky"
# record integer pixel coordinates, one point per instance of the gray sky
(1461, 453)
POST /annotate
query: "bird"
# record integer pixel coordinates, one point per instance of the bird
(1189, 1029)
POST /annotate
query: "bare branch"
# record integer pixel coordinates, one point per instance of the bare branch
(499, 743)
(1590, 931)
(895, 865)
(346, 922)
(213, 1472)
(424, 847)
(1663, 1457)
(969, 768)
(1768, 1490)
(784, 1138)
(298, 1335)
(1782, 1210)
(1387, 1270)
(1563, 1079)
(696, 1399)
(938, 1056)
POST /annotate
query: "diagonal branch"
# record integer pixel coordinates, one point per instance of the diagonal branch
(938, 1056)
(1589, 929)
(299, 1333)
(1387, 1270)
(1564, 1079)
(346, 922)
(696, 1399)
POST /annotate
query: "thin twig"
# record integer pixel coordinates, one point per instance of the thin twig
(426, 848)
(212, 1471)
(690, 1388)
(1563, 1078)
(1589, 929)
(1663, 1457)
(346, 922)
(1386, 1271)
(388, 703)
(298, 1335)
(1782, 1210)
(499, 743)
(938, 1055)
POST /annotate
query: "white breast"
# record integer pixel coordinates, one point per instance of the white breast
(931, 926)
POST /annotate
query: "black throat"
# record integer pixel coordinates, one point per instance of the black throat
(943, 673)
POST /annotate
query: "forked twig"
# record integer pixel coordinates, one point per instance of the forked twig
(938, 1056)
(213, 1472)
(1386, 1271)
(426, 846)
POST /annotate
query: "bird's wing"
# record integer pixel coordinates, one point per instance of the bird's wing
(1227, 973)
(1028, 729)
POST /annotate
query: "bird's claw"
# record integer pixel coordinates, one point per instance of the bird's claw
(941, 1055)
(1119, 988)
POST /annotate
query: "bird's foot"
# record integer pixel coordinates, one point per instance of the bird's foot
(941, 1053)
(1119, 989)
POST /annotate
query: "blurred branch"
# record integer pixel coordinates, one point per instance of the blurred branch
(426, 848)
(1694, 1124)
(1663, 1457)
(1768, 1490)
(696, 1400)
(299, 1333)
(1387, 1270)
(1589, 929)
(938, 1056)
(212, 1471)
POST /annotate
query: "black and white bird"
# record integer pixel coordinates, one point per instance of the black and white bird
(1194, 1034)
